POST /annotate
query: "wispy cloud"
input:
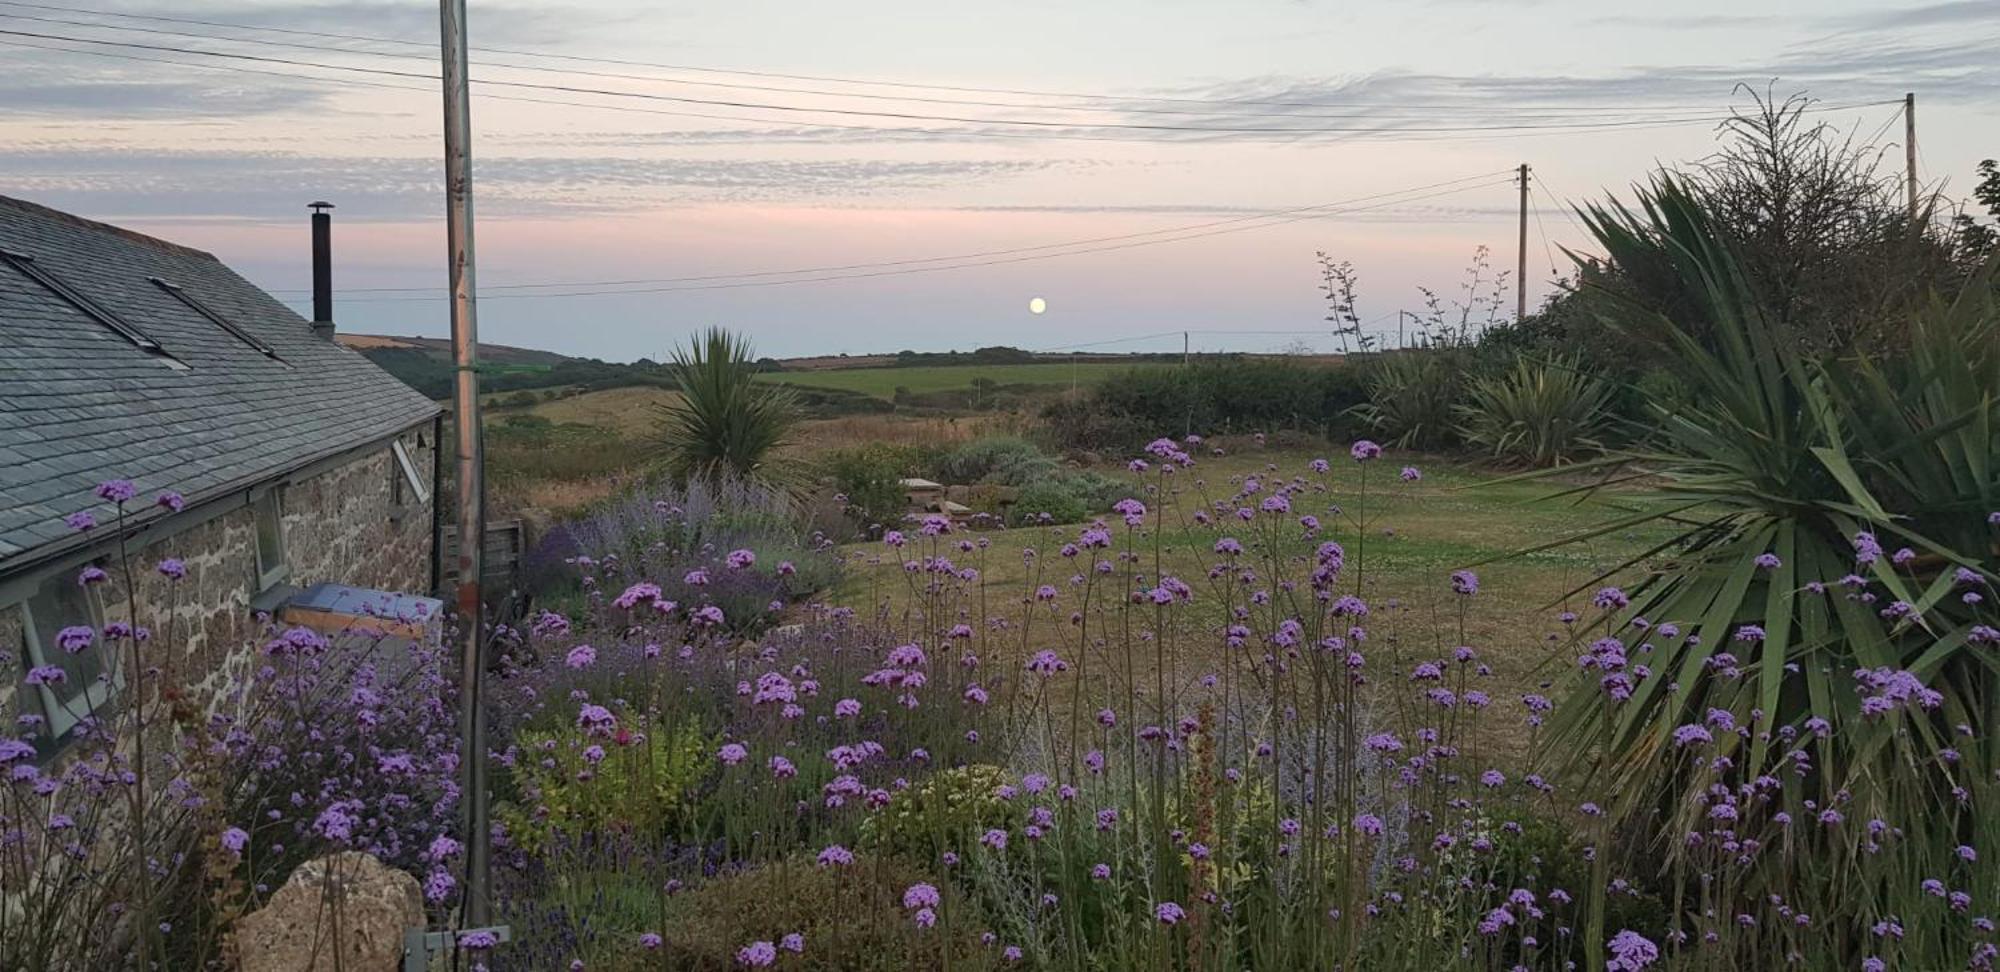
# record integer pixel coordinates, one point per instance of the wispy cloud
(271, 185)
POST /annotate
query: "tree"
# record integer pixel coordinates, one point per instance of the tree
(725, 423)
(1976, 240)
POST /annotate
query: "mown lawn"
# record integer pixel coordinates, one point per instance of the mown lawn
(883, 382)
(1409, 538)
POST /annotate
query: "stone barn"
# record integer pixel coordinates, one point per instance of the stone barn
(261, 455)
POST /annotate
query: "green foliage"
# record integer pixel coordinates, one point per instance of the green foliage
(1537, 414)
(1413, 395)
(1209, 396)
(641, 786)
(869, 476)
(1006, 461)
(430, 372)
(949, 810)
(851, 918)
(724, 423)
(1071, 498)
(1784, 452)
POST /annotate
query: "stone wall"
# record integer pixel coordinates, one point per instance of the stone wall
(345, 523)
(341, 524)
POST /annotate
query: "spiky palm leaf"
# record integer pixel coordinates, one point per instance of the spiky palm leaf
(1538, 413)
(1794, 457)
(725, 423)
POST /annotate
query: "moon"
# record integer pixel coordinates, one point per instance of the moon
(1037, 305)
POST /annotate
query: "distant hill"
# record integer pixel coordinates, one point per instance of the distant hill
(425, 365)
(495, 353)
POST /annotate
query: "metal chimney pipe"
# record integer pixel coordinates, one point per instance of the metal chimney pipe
(322, 256)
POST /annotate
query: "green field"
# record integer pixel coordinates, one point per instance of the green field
(883, 382)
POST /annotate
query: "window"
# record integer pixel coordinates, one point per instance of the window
(60, 602)
(27, 267)
(408, 474)
(217, 319)
(270, 511)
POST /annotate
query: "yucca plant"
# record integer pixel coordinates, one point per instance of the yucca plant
(1537, 413)
(724, 423)
(1411, 395)
(1837, 528)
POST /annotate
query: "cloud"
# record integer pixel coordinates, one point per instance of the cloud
(1951, 13)
(273, 185)
(1847, 68)
(1948, 14)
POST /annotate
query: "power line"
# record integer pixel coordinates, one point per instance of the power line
(875, 132)
(1220, 109)
(1253, 217)
(903, 270)
(823, 79)
(856, 112)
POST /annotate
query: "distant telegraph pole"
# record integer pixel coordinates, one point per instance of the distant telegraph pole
(1521, 268)
(1910, 149)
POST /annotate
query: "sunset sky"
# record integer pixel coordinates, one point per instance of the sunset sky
(1052, 123)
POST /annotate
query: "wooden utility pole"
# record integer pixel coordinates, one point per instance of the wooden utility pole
(471, 466)
(1184, 349)
(1521, 267)
(1910, 149)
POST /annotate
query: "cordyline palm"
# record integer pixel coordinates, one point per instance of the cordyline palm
(1782, 454)
(725, 423)
(1539, 414)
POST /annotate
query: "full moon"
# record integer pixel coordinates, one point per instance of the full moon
(1037, 305)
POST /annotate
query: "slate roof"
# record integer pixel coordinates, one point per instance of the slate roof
(80, 403)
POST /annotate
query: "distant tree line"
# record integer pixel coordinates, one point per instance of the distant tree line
(431, 374)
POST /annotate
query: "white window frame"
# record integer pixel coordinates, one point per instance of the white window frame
(418, 488)
(270, 575)
(63, 715)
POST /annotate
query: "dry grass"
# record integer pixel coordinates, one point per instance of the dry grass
(631, 413)
(816, 436)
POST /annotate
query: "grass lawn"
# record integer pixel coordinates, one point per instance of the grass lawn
(1415, 535)
(883, 382)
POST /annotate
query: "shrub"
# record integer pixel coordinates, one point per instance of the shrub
(724, 422)
(681, 539)
(569, 783)
(1537, 414)
(1412, 395)
(1791, 476)
(1209, 396)
(850, 919)
(1071, 498)
(951, 809)
(870, 478)
(1008, 461)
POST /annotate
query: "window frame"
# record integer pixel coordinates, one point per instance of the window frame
(60, 715)
(408, 466)
(270, 575)
(25, 265)
(195, 304)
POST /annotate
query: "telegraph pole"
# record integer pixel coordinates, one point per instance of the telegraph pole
(1910, 149)
(1184, 349)
(478, 911)
(1521, 268)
